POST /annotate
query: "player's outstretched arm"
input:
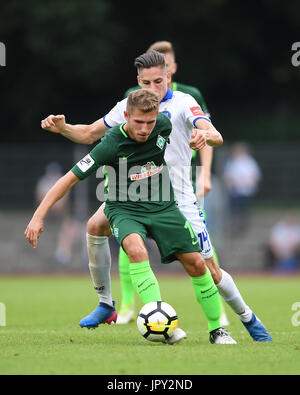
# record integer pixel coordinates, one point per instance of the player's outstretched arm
(204, 181)
(36, 226)
(82, 134)
(205, 133)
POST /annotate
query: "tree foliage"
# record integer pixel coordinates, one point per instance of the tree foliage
(76, 58)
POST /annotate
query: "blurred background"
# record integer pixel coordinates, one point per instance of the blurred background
(76, 58)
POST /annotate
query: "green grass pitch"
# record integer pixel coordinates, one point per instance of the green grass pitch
(42, 335)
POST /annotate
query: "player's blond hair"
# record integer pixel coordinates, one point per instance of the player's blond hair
(144, 100)
(162, 47)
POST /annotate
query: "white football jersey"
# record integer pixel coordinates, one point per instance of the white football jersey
(183, 111)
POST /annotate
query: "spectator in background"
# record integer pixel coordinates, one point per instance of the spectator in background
(242, 176)
(284, 245)
(60, 213)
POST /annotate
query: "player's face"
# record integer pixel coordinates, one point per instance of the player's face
(139, 124)
(155, 78)
(170, 63)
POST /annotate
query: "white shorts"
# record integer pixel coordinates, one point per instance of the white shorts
(194, 215)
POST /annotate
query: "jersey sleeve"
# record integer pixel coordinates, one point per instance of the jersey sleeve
(202, 103)
(116, 114)
(197, 95)
(192, 111)
(103, 154)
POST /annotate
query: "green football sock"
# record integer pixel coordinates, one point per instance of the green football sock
(217, 262)
(145, 282)
(208, 296)
(125, 279)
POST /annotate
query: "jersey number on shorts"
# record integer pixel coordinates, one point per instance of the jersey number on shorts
(203, 238)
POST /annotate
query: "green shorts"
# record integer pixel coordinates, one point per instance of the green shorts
(169, 228)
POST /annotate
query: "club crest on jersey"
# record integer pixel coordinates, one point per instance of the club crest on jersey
(160, 142)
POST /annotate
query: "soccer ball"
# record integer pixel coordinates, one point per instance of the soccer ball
(156, 321)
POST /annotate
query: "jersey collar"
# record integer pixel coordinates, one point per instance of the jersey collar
(168, 96)
(123, 131)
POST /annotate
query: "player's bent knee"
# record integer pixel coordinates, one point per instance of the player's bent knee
(199, 269)
(93, 228)
(136, 254)
(98, 228)
(134, 247)
(193, 264)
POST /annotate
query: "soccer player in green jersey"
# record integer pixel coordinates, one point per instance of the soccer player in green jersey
(141, 202)
(190, 127)
(126, 312)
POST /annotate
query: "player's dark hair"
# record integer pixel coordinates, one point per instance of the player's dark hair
(150, 59)
(145, 100)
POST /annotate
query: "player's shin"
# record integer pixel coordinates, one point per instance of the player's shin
(230, 293)
(125, 279)
(145, 282)
(100, 265)
(208, 296)
(224, 318)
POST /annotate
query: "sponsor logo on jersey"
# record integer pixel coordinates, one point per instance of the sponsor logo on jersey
(86, 163)
(197, 111)
(147, 170)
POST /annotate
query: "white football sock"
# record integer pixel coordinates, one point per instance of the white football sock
(230, 293)
(99, 265)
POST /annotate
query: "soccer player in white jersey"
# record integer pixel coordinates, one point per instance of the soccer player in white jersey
(126, 311)
(189, 127)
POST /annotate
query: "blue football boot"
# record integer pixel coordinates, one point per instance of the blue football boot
(103, 314)
(257, 330)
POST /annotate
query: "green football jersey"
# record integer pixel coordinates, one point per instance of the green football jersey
(136, 175)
